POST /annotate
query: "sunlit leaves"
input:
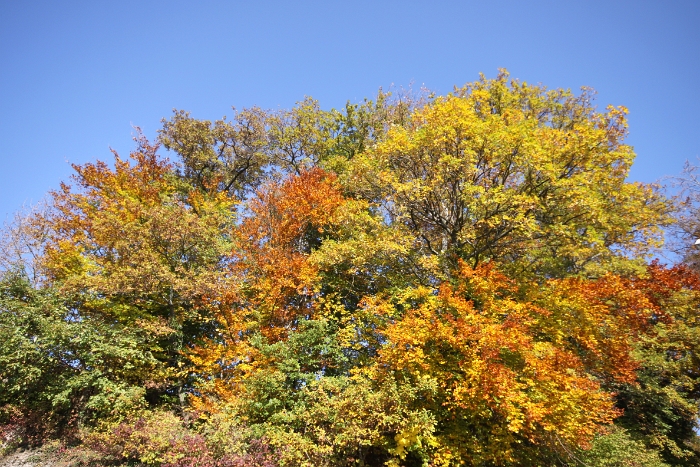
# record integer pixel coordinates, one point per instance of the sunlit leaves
(510, 366)
(419, 280)
(512, 172)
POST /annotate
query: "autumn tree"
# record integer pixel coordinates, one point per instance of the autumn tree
(414, 280)
(686, 230)
(508, 372)
(228, 156)
(661, 408)
(506, 171)
(133, 246)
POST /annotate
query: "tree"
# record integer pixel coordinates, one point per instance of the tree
(228, 156)
(505, 171)
(510, 375)
(415, 280)
(132, 246)
(686, 230)
(60, 370)
(661, 409)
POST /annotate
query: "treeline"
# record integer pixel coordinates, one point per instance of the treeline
(414, 281)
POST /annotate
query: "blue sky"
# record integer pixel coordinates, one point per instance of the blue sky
(75, 76)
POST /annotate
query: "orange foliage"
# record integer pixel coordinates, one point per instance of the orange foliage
(287, 221)
(272, 282)
(511, 363)
(131, 231)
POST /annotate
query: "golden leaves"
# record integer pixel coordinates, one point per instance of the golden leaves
(512, 173)
(516, 360)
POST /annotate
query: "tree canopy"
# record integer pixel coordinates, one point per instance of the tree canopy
(417, 280)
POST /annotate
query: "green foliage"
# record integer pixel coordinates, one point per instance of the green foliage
(60, 370)
(619, 449)
(662, 408)
(227, 155)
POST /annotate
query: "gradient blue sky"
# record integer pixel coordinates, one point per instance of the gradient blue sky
(75, 76)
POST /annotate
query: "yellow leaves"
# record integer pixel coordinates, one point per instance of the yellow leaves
(427, 300)
(133, 231)
(407, 438)
(530, 178)
(493, 357)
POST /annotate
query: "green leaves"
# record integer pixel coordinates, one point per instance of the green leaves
(60, 369)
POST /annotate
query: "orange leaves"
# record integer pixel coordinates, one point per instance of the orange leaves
(662, 283)
(287, 222)
(122, 191)
(481, 300)
(515, 362)
(283, 212)
(584, 320)
(131, 235)
(94, 220)
(272, 284)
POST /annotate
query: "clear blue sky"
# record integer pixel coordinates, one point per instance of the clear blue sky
(74, 76)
